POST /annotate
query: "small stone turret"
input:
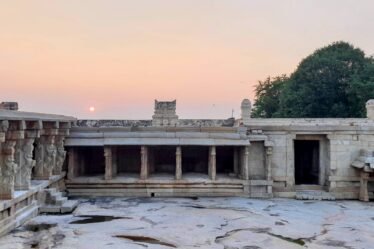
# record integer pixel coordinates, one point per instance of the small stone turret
(165, 114)
(246, 108)
(370, 109)
(12, 106)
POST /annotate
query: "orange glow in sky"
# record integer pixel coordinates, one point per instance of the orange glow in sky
(62, 56)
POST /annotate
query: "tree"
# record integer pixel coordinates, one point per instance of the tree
(268, 97)
(334, 81)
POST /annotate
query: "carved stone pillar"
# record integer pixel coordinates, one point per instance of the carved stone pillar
(60, 155)
(114, 161)
(268, 159)
(245, 163)
(46, 151)
(178, 164)
(45, 157)
(108, 163)
(364, 194)
(8, 169)
(25, 161)
(144, 162)
(8, 165)
(236, 161)
(50, 156)
(72, 164)
(212, 163)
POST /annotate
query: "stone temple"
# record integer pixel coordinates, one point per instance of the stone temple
(43, 155)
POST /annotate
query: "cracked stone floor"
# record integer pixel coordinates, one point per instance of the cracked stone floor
(201, 223)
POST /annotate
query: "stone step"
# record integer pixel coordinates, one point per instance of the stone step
(69, 206)
(50, 209)
(50, 190)
(314, 195)
(60, 200)
(57, 195)
(307, 187)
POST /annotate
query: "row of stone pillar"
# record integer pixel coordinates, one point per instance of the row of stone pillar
(17, 139)
(110, 154)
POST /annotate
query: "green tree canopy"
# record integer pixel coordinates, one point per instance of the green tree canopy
(334, 81)
(268, 97)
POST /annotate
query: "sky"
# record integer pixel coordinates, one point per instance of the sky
(119, 56)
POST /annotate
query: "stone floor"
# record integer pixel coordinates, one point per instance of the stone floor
(201, 223)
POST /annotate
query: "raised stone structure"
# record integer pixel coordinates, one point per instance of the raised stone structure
(165, 114)
(168, 156)
(246, 108)
(19, 132)
(370, 109)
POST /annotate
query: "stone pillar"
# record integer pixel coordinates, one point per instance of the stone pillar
(72, 164)
(8, 169)
(236, 161)
(115, 161)
(268, 159)
(364, 194)
(178, 164)
(25, 162)
(212, 163)
(144, 162)
(8, 166)
(370, 109)
(245, 164)
(60, 155)
(246, 108)
(46, 151)
(108, 163)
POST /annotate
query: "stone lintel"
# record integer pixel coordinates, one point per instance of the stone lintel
(34, 125)
(32, 133)
(15, 135)
(51, 124)
(49, 132)
(65, 125)
(63, 132)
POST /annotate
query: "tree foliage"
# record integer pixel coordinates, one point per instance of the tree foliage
(268, 97)
(334, 81)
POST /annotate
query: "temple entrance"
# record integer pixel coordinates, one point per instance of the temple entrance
(195, 159)
(91, 160)
(128, 160)
(307, 162)
(225, 160)
(162, 160)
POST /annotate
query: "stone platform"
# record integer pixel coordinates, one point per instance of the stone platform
(206, 223)
(24, 205)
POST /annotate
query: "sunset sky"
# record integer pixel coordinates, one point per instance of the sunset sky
(118, 56)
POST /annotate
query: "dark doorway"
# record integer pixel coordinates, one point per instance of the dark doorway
(128, 159)
(163, 159)
(225, 160)
(195, 159)
(91, 160)
(306, 161)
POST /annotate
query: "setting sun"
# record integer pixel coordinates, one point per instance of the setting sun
(92, 109)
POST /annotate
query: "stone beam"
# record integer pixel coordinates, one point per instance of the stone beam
(108, 163)
(72, 164)
(144, 162)
(212, 163)
(245, 163)
(178, 165)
